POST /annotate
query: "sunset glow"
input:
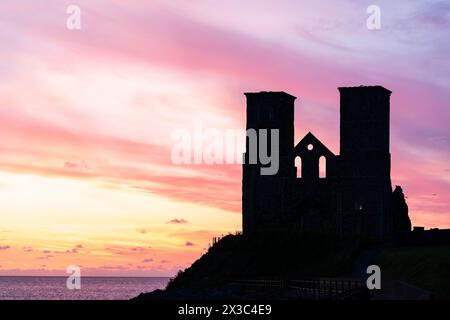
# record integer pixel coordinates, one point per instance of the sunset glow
(86, 117)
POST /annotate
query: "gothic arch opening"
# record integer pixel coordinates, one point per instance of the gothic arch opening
(298, 165)
(322, 167)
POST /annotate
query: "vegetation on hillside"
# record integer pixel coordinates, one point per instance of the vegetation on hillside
(426, 267)
(271, 256)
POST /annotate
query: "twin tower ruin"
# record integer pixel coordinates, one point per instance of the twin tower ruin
(356, 195)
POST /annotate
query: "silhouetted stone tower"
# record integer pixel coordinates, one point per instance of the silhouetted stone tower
(365, 160)
(261, 194)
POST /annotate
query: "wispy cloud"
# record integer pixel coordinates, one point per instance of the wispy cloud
(177, 221)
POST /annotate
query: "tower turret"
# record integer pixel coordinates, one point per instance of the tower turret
(365, 159)
(261, 194)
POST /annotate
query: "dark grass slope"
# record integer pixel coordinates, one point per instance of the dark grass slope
(268, 256)
(299, 256)
(426, 267)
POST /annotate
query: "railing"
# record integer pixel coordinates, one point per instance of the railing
(320, 288)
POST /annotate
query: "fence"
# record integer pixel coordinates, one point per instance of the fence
(320, 288)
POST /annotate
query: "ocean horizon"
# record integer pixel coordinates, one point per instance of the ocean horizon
(92, 287)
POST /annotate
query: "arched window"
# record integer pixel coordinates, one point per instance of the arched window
(298, 165)
(322, 167)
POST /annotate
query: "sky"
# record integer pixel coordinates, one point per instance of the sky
(87, 115)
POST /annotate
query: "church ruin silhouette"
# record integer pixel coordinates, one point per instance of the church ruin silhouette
(356, 195)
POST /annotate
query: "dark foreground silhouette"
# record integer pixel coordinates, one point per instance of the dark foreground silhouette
(275, 266)
(311, 266)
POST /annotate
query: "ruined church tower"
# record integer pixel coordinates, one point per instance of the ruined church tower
(365, 160)
(262, 195)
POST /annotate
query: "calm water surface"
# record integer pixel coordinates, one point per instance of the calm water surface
(92, 288)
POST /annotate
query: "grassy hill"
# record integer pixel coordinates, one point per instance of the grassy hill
(288, 257)
(299, 256)
(426, 267)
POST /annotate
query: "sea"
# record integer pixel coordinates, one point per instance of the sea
(92, 288)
